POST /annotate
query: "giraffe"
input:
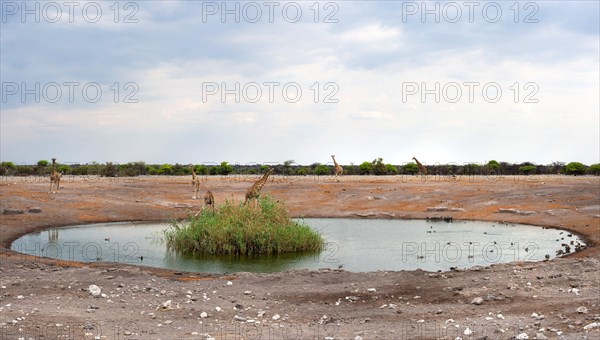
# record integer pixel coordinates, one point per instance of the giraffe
(54, 177)
(422, 168)
(209, 200)
(195, 183)
(338, 169)
(254, 192)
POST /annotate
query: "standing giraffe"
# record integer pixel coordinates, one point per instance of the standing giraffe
(338, 169)
(54, 177)
(195, 183)
(254, 192)
(422, 168)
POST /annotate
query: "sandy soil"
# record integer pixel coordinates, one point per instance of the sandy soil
(553, 299)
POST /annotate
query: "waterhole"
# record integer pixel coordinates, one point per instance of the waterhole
(357, 245)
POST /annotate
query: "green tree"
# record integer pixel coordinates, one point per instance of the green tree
(410, 168)
(365, 168)
(225, 169)
(110, 170)
(42, 163)
(493, 166)
(378, 167)
(390, 169)
(594, 169)
(527, 169)
(301, 171)
(165, 169)
(287, 167)
(574, 168)
(321, 169)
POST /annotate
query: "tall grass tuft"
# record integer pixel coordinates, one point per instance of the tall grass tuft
(243, 230)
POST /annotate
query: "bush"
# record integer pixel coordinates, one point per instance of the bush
(594, 169)
(378, 167)
(225, 169)
(321, 170)
(243, 230)
(390, 169)
(410, 168)
(574, 168)
(42, 163)
(165, 169)
(527, 169)
(365, 168)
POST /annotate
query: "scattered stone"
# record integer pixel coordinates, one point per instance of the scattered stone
(500, 316)
(34, 210)
(540, 336)
(168, 322)
(477, 301)
(358, 337)
(239, 318)
(203, 315)
(248, 292)
(11, 211)
(94, 290)
(167, 304)
(437, 208)
(582, 310)
(218, 309)
(371, 290)
(591, 326)
(522, 336)
(229, 283)
(468, 332)
(276, 317)
(352, 298)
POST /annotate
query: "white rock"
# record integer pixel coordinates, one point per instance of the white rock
(468, 332)
(239, 318)
(276, 317)
(371, 290)
(218, 309)
(229, 283)
(358, 337)
(534, 315)
(522, 336)
(168, 322)
(450, 321)
(166, 304)
(203, 315)
(94, 290)
(540, 336)
(248, 292)
(477, 301)
(421, 321)
(500, 316)
(592, 326)
(20, 297)
(582, 310)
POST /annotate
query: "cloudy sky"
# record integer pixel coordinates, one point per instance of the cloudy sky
(201, 82)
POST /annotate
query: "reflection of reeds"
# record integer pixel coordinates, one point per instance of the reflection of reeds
(53, 235)
(242, 229)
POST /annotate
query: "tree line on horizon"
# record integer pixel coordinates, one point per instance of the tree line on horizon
(377, 167)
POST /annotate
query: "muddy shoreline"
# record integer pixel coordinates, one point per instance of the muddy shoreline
(43, 295)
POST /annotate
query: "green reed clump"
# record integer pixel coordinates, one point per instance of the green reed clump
(242, 229)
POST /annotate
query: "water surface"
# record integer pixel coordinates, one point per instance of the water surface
(357, 245)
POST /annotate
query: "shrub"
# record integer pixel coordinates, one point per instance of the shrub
(390, 169)
(378, 167)
(165, 169)
(527, 169)
(225, 169)
(410, 168)
(243, 230)
(365, 168)
(321, 170)
(594, 169)
(574, 168)
(42, 163)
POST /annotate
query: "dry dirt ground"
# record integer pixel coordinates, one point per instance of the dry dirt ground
(45, 298)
